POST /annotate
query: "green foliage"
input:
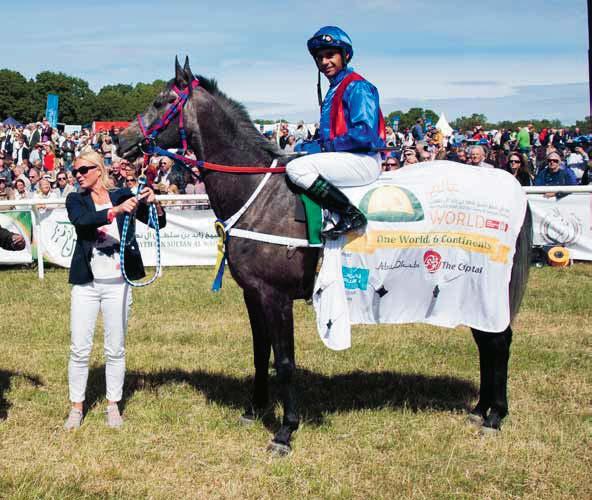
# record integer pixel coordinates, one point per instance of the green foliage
(469, 122)
(15, 96)
(408, 119)
(25, 99)
(585, 126)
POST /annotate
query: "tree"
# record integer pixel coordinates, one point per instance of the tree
(114, 102)
(77, 100)
(15, 96)
(470, 122)
(260, 121)
(585, 125)
(407, 120)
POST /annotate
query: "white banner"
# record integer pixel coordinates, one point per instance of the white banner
(566, 222)
(189, 238)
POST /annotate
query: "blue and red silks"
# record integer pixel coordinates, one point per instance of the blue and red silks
(337, 121)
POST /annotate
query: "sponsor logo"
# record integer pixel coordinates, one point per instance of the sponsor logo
(397, 264)
(461, 267)
(496, 224)
(432, 261)
(391, 204)
(561, 228)
(355, 278)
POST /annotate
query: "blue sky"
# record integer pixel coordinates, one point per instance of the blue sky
(507, 58)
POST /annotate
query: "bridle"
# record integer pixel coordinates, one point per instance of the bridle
(174, 109)
(149, 148)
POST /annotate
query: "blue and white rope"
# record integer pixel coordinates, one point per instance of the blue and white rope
(152, 222)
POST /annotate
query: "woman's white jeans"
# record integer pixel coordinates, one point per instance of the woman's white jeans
(113, 298)
(340, 169)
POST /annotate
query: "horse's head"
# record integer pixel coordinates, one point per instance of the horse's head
(154, 125)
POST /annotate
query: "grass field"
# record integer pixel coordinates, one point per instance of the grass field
(385, 419)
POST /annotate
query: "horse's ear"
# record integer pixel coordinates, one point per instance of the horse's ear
(180, 79)
(188, 73)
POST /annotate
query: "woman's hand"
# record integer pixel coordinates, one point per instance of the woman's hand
(127, 207)
(147, 195)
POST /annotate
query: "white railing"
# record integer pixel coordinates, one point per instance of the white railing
(34, 203)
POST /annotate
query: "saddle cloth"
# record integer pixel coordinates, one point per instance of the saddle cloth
(438, 249)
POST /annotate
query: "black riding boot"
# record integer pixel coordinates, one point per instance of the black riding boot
(331, 198)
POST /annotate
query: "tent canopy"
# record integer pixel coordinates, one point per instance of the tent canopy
(443, 126)
(11, 122)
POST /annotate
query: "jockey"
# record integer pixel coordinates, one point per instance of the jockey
(351, 132)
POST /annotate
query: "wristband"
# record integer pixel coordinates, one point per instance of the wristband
(110, 215)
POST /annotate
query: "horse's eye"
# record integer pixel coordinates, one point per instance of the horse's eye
(158, 104)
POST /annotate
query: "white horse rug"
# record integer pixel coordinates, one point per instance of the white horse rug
(438, 249)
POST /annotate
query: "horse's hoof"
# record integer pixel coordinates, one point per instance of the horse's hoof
(489, 431)
(475, 419)
(279, 449)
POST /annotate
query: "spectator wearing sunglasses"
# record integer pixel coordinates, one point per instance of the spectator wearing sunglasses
(34, 177)
(390, 163)
(131, 182)
(554, 175)
(409, 157)
(518, 167)
(95, 273)
(63, 187)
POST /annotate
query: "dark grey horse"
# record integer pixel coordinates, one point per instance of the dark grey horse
(220, 131)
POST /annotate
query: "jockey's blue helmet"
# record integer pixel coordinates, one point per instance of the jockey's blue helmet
(331, 37)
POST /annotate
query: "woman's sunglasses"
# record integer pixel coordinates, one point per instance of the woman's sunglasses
(82, 170)
(514, 161)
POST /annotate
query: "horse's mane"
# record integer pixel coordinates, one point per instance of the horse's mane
(240, 116)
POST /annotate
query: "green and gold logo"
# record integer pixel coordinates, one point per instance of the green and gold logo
(391, 204)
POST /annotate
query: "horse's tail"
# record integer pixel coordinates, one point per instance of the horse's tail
(521, 264)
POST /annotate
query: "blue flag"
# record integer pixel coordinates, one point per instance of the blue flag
(51, 109)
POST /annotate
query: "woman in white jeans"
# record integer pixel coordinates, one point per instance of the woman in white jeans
(98, 285)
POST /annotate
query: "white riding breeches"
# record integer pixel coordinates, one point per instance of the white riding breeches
(340, 169)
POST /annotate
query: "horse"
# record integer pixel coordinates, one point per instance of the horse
(219, 130)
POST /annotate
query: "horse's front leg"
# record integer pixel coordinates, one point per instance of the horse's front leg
(494, 354)
(261, 354)
(281, 329)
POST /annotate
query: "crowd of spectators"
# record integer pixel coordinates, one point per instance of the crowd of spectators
(549, 157)
(36, 162)
(536, 158)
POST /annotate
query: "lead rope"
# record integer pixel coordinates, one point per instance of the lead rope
(152, 222)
